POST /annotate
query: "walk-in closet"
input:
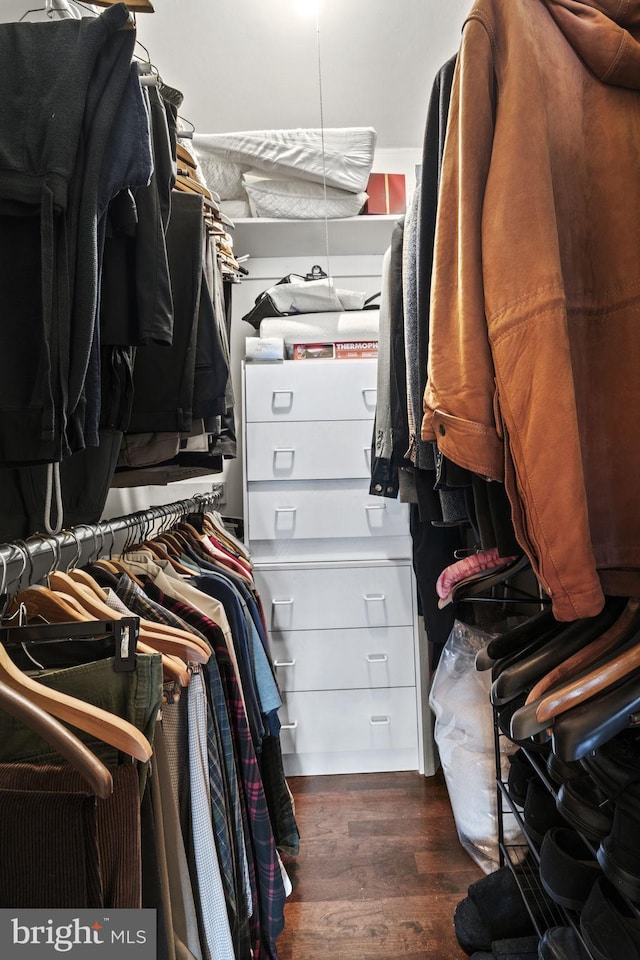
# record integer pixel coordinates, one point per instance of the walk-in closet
(319, 473)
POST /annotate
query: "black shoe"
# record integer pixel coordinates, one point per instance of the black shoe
(560, 771)
(619, 852)
(585, 807)
(568, 870)
(520, 775)
(616, 764)
(492, 910)
(540, 812)
(608, 928)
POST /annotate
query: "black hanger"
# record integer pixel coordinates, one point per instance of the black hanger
(123, 633)
(596, 721)
(513, 642)
(474, 588)
(526, 671)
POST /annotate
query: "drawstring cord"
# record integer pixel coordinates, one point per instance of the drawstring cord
(53, 478)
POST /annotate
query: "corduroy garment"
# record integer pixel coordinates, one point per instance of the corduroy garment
(64, 847)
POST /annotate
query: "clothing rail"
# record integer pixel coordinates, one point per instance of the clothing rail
(25, 562)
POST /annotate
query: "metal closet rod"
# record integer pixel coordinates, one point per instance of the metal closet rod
(24, 562)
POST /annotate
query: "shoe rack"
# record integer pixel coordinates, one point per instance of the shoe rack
(524, 859)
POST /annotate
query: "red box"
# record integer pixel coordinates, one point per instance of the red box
(387, 193)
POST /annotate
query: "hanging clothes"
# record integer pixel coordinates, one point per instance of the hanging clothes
(201, 839)
(533, 299)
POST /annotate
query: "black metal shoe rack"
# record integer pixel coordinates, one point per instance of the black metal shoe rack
(524, 859)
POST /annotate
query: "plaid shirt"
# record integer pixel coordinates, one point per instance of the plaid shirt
(222, 806)
(271, 894)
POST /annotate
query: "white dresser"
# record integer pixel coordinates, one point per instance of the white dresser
(334, 572)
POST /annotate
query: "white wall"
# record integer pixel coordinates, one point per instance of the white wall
(252, 64)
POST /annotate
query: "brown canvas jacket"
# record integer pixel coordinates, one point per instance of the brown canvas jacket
(534, 355)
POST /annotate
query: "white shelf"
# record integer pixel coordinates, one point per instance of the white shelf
(265, 237)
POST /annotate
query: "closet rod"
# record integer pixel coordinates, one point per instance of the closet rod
(23, 563)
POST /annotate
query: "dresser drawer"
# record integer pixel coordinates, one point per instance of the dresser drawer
(327, 449)
(324, 508)
(344, 659)
(349, 731)
(311, 390)
(338, 597)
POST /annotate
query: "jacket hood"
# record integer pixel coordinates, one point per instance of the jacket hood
(605, 34)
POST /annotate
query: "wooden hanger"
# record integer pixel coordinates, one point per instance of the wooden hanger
(184, 155)
(174, 546)
(183, 645)
(117, 568)
(59, 608)
(84, 577)
(93, 720)
(65, 743)
(584, 688)
(159, 551)
(163, 628)
(628, 621)
(219, 529)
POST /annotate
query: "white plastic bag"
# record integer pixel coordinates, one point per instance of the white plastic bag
(464, 736)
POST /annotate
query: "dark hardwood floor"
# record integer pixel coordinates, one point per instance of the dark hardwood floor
(380, 870)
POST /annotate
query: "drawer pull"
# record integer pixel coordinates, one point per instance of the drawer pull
(375, 506)
(379, 721)
(377, 658)
(282, 603)
(290, 450)
(373, 597)
(284, 663)
(367, 390)
(285, 509)
(289, 726)
(281, 393)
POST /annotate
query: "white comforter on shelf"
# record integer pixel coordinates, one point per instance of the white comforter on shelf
(348, 153)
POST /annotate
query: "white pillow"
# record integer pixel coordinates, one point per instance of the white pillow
(223, 176)
(236, 209)
(301, 200)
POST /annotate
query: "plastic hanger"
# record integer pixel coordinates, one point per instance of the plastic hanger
(513, 642)
(525, 672)
(65, 743)
(540, 713)
(474, 588)
(587, 726)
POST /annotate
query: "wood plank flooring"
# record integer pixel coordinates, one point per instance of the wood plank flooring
(380, 870)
